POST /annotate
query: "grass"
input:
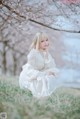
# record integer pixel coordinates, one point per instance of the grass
(20, 104)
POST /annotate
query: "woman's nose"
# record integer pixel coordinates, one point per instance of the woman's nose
(46, 42)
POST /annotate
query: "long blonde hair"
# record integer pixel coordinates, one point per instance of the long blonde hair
(36, 41)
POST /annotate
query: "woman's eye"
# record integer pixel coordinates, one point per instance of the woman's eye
(42, 41)
(46, 39)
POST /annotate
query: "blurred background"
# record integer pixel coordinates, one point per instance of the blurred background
(21, 20)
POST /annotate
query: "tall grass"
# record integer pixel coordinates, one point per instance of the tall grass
(20, 104)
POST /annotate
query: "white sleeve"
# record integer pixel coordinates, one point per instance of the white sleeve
(32, 70)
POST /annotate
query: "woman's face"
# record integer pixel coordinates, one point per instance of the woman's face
(44, 44)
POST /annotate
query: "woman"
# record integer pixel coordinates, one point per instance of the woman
(40, 72)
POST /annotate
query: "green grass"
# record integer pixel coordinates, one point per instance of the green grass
(20, 104)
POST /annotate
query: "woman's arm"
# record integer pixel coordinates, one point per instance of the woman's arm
(52, 69)
(33, 71)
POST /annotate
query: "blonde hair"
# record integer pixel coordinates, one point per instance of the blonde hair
(36, 41)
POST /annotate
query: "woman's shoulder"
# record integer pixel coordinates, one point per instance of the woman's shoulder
(33, 53)
(34, 50)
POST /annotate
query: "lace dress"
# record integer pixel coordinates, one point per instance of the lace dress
(35, 74)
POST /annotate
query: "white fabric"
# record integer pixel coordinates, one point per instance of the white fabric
(35, 74)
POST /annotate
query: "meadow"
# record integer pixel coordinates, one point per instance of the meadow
(18, 103)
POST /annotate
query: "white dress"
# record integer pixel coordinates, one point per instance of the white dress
(35, 74)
